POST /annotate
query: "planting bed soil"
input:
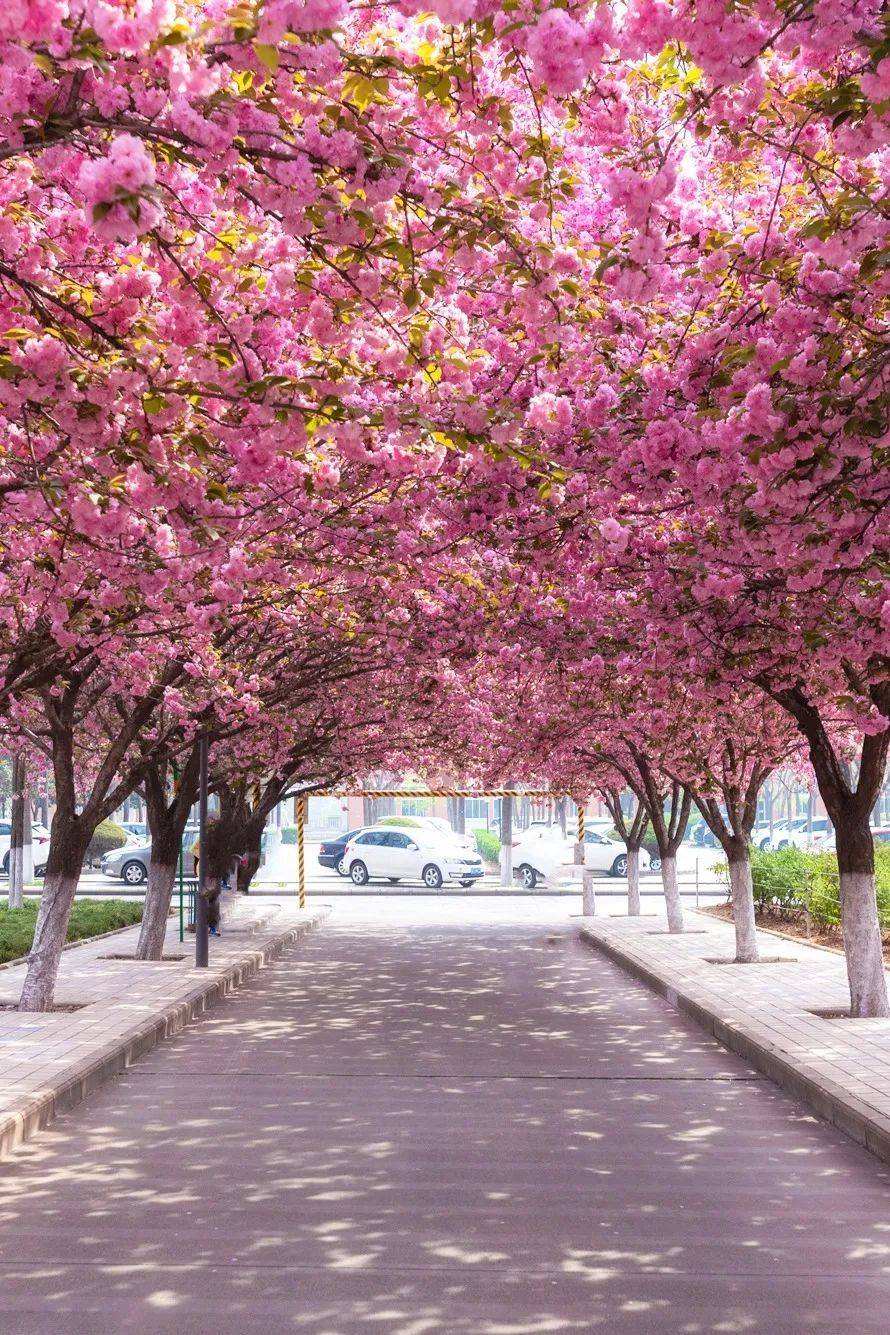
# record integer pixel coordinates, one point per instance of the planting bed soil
(795, 923)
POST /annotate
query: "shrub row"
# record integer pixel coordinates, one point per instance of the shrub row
(488, 845)
(89, 917)
(788, 878)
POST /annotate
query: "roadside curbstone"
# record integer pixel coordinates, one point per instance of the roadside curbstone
(22, 1118)
(827, 1098)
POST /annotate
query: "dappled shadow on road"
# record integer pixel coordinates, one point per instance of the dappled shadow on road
(472, 1131)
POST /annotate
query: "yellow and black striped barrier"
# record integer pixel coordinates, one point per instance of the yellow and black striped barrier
(538, 794)
(301, 850)
(300, 804)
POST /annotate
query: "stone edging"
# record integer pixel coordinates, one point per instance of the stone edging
(72, 945)
(827, 1099)
(20, 1121)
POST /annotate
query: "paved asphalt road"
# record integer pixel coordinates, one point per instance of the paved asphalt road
(443, 1118)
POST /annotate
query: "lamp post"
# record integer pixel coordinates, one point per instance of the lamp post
(202, 927)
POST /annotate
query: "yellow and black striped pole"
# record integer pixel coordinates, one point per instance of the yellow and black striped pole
(301, 850)
(579, 846)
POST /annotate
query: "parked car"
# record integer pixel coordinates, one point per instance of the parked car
(330, 853)
(39, 846)
(436, 824)
(784, 829)
(804, 835)
(130, 863)
(388, 853)
(539, 852)
(761, 837)
(828, 843)
(136, 829)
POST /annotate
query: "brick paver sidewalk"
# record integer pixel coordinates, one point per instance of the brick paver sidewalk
(767, 1013)
(421, 1123)
(48, 1062)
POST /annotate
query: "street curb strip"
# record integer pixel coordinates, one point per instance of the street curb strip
(31, 1114)
(827, 1099)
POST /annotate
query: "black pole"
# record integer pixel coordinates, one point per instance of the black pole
(202, 930)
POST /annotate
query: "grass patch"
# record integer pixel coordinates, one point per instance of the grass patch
(89, 917)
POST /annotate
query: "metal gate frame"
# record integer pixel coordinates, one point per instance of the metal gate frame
(300, 811)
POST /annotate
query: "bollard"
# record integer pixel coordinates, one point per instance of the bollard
(588, 895)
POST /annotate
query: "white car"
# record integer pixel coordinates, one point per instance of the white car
(39, 846)
(436, 825)
(540, 852)
(392, 854)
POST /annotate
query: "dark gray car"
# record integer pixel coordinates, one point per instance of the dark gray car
(130, 863)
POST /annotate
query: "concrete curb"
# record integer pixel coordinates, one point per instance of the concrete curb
(827, 1099)
(21, 1120)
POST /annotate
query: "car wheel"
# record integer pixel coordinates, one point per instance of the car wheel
(784, 844)
(133, 873)
(764, 844)
(619, 866)
(6, 863)
(432, 877)
(40, 871)
(528, 877)
(341, 868)
(655, 864)
(358, 873)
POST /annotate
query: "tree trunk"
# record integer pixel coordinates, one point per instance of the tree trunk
(158, 897)
(634, 908)
(849, 809)
(166, 821)
(859, 918)
(253, 857)
(507, 841)
(671, 893)
(67, 851)
(742, 888)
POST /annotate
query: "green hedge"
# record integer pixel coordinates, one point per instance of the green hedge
(289, 834)
(411, 822)
(89, 917)
(106, 836)
(823, 896)
(488, 845)
(788, 878)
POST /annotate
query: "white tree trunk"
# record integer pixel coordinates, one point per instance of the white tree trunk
(672, 894)
(862, 945)
(49, 938)
(742, 887)
(27, 859)
(158, 894)
(633, 883)
(15, 877)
